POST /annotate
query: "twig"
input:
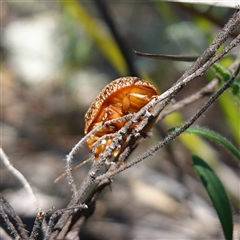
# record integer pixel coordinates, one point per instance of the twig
(52, 220)
(205, 91)
(21, 228)
(86, 213)
(183, 58)
(37, 225)
(74, 150)
(9, 224)
(20, 177)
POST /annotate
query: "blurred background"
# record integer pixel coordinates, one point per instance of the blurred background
(56, 57)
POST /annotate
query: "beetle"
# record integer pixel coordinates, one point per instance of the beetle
(126, 95)
(122, 96)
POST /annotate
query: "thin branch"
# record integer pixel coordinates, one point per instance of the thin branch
(73, 169)
(9, 224)
(85, 214)
(75, 149)
(21, 228)
(20, 177)
(183, 58)
(37, 225)
(205, 91)
(51, 222)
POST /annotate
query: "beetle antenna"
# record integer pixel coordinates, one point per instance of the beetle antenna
(72, 169)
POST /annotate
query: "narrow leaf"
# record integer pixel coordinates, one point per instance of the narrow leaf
(217, 194)
(215, 137)
(224, 74)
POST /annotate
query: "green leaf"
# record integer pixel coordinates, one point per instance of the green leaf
(215, 137)
(222, 72)
(217, 194)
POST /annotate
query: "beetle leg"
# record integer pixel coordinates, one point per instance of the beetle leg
(113, 112)
(139, 96)
(132, 101)
(110, 112)
(138, 100)
(126, 103)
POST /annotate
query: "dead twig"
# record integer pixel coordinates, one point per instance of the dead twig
(20, 177)
(5, 210)
(183, 58)
(205, 91)
(9, 224)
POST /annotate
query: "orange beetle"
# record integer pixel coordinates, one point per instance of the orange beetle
(120, 97)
